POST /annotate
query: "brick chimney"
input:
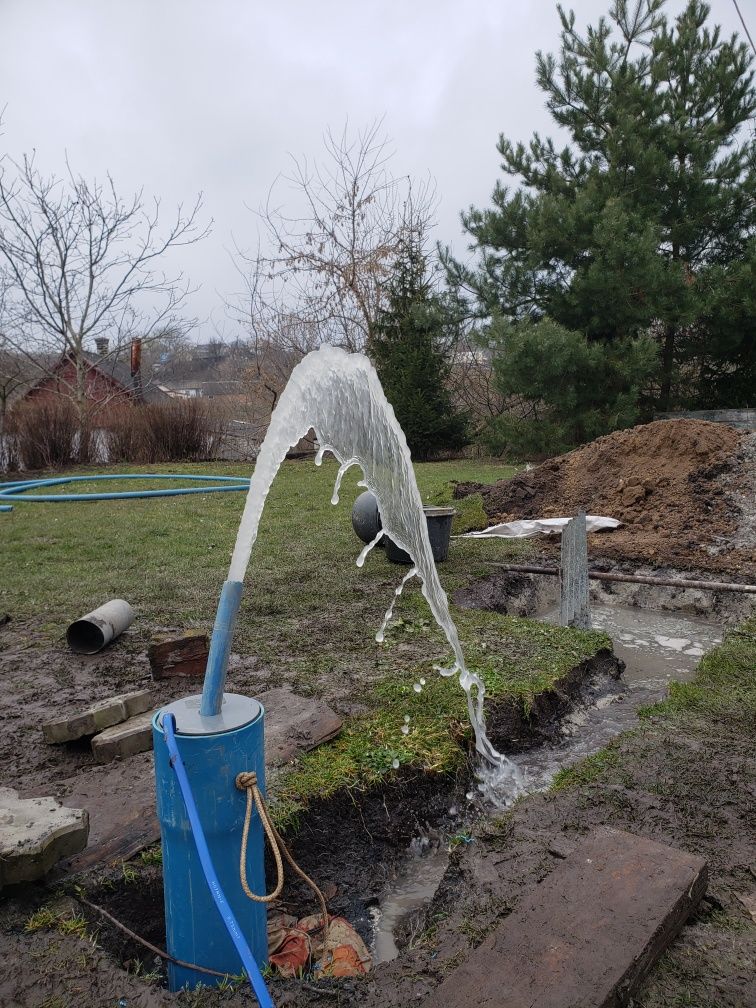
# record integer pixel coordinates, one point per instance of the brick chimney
(101, 342)
(136, 368)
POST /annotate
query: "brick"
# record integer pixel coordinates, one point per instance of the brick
(185, 655)
(97, 717)
(125, 739)
(35, 833)
(587, 935)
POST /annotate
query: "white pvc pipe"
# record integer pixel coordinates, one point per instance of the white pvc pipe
(92, 632)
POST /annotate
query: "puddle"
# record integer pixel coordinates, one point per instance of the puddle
(657, 648)
(413, 888)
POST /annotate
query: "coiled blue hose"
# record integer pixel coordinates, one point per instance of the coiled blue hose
(19, 489)
(232, 925)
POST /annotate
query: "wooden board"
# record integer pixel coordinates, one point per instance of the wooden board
(586, 936)
(184, 656)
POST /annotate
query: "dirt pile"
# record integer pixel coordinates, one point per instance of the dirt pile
(684, 490)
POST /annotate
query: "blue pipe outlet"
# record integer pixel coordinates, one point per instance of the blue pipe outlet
(220, 645)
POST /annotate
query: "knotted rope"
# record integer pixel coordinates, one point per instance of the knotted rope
(248, 782)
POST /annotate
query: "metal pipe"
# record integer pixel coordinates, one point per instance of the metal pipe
(92, 632)
(635, 578)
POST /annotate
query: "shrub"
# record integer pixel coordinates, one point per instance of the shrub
(47, 434)
(163, 432)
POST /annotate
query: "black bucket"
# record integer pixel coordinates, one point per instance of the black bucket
(439, 521)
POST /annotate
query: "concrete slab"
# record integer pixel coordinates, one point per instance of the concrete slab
(586, 936)
(97, 717)
(125, 739)
(295, 724)
(35, 833)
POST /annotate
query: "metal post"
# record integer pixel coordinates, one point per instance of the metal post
(574, 607)
(213, 750)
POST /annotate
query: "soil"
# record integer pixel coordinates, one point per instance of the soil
(684, 490)
(687, 783)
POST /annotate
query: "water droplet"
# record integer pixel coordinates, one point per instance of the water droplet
(405, 729)
(417, 688)
(395, 764)
(406, 718)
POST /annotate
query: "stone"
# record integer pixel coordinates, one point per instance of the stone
(587, 935)
(125, 739)
(35, 833)
(185, 655)
(97, 717)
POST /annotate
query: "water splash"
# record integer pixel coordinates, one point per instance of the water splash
(380, 636)
(339, 396)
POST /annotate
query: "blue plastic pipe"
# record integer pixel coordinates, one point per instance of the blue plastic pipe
(219, 897)
(19, 490)
(220, 645)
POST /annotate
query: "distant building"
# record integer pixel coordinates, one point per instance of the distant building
(108, 377)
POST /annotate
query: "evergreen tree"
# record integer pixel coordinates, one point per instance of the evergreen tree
(645, 223)
(409, 346)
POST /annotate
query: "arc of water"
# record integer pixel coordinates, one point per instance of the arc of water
(340, 396)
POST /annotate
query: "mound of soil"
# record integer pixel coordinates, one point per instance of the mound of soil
(684, 491)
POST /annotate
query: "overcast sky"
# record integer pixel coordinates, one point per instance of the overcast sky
(183, 96)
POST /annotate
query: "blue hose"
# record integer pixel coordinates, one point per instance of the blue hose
(232, 925)
(19, 490)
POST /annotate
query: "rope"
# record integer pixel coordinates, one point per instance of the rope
(248, 782)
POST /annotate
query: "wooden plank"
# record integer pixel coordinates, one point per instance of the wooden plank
(587, 935)
(295, 724)
(184, 656)
(574, 606)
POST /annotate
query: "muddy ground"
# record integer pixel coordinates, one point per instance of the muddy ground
(689, 782)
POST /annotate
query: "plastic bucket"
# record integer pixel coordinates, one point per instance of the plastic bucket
(439, 521)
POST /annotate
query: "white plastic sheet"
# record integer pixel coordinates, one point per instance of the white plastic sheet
(525, 528)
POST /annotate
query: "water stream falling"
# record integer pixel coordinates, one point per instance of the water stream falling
(339, 395)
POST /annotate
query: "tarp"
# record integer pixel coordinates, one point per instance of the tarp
(525, 528)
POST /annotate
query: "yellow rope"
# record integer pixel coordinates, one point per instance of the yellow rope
(248, 782)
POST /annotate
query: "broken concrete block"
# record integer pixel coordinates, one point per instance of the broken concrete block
(98, 716)
(185, 655)
(35, 833)
(125, 739)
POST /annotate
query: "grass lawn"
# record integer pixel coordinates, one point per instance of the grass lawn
(308, 613)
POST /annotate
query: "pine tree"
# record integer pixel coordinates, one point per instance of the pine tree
(409, 347)
(645, 223)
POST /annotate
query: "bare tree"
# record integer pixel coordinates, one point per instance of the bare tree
(83, 263)
(326, 255)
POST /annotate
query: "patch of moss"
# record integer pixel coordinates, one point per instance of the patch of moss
(587, 770)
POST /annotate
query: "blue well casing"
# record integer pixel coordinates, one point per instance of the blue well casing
(195, 931)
